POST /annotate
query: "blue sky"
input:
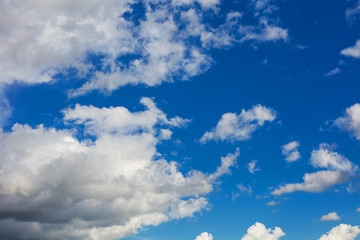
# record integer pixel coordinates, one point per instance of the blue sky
(179, 119)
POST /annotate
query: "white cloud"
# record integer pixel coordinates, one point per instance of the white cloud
(237, 127)
(350, 121)
(353, 51)
(352, 12)
(226, 163)
(258, 231)
(252, 167)
(47, 37)
(105, 186)
(263, 32)
(342, 232)
(204, 236)
(339, 168)
(333, 72)
(358, 210)
(272, 203)
(291, 152)
(333, 216)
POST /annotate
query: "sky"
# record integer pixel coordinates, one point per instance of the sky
(179, 119)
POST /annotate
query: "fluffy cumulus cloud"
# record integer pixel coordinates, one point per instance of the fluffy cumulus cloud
(258, 231)
(102, 179)
(338, 169)
(333, 216)
(237, 127)
(351, 120)
(290, 151)
(342, 232)
(353, 51)
(204, 236)
(138, 42)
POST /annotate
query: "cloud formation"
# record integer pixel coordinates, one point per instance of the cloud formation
(290, 151)
(137, 42)
(353, 51)
(350, 121)
(342, 232)
(258, 231)
(238, 127)
(252, 167)
(338, 169)
(333, 216)
(108, 185)
(204, 236)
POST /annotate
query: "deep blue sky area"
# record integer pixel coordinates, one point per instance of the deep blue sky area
(289, 57)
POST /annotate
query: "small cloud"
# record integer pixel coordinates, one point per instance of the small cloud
(353, 51)
(333, 216)
(252, 167)
(290, 151)
(333, 72)
(358, 210)
(204, 236)
(272, 203)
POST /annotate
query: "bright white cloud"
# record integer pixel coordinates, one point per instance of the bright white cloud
(290, 151)
(106, 186)
(358, 210)
(342, 232)
(333, 216)
(252, 167)
(226, 163)
(45, 37)
(350, 121)
(324, 157)
(339, 168)
(237, 127)
(353, 51)
(258, 231)
(204, 236)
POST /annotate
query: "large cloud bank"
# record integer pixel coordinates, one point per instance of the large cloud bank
(102, 179)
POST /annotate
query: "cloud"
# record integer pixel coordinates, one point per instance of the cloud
(238, 127)
(342, 232)
(226, 163)
(353, 51)
(252, 167)
(350, 121)
(136, 42)
(333, 72)
(333, 216)
(242, 190)
(290, 151)
(358, 210)
(264, 32)
(352, 12)
(258, 231)
(101, 179)
(204, 236)
(338, 169)
(272, 203)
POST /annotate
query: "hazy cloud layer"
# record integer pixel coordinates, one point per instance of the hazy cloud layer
(108, 185)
